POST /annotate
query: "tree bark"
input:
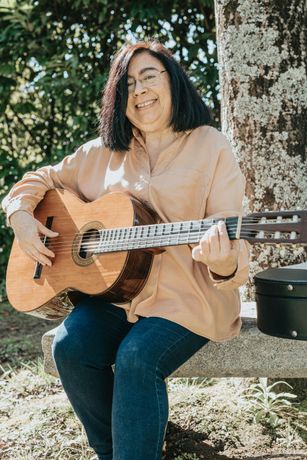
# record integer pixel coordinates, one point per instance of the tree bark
(263, 107)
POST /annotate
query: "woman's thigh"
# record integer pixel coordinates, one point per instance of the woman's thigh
(91, 333)
(157, 345)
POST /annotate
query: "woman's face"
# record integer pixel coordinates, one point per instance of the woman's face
(149, 106)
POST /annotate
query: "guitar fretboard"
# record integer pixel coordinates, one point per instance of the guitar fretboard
(159, 235)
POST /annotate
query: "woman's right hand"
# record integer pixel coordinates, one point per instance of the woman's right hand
(27, 231)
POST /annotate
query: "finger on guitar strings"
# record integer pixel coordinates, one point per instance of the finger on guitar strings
(224, 241)
(40, 258)
(43, 249)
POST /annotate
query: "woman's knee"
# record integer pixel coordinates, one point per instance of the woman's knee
(76, 338)
(132, 357)
(82, 339)
(66, 347)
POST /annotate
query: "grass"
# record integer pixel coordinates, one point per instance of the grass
(210, 419)
(20, 336)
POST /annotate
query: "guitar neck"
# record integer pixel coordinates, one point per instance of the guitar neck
(280, 227)
(160, 235)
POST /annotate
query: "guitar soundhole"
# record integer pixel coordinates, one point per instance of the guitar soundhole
(89, 243)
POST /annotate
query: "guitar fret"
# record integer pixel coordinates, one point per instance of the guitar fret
(108, 233)
(152, 234)
(139, 237)
(111, 238)
(116, 236)
(123, 237)
(177, 230)
(133, 234)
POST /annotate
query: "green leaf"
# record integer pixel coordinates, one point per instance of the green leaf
(6, 81)
(274, 420)
(259, 416)
(7, 69)
(24, 107)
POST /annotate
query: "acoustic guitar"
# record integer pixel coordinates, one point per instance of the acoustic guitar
(106, 248)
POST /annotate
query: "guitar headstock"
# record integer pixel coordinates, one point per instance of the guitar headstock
(275, 227)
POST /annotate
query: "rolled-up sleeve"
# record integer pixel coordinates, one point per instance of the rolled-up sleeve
(30, 190)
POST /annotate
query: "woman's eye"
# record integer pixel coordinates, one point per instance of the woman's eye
(149, 77)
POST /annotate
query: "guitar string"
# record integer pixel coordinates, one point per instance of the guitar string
(164, 244)
(203, 221)
(254, 216)
(165, 240)
(174, 231)
(249, 220)
(86, 240)
(153, 242)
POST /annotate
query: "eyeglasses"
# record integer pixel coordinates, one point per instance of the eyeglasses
(149, 79)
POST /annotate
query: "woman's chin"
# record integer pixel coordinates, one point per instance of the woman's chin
(150, 124)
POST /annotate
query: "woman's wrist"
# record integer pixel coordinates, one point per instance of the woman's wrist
(223, 274)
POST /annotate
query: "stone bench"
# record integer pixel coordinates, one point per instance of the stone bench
(251, 354)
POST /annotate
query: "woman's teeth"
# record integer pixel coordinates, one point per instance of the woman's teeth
(145, 104)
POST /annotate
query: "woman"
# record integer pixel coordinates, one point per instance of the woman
(155, 144)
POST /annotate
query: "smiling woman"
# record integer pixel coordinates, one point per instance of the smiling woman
(155, 145)
(148, 73)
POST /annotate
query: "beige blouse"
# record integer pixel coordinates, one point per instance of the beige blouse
(196, 176)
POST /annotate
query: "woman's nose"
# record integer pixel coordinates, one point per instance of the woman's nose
(139, 88)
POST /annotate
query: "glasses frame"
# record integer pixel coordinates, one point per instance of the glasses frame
(144, 85)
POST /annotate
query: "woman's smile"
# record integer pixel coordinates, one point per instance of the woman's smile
(146, 104)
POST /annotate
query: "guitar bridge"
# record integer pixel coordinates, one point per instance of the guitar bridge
(39, 266)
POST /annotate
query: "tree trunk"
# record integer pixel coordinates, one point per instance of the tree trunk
(263, 91)
(263, 110)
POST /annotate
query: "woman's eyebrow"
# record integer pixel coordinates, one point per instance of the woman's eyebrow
(144, 70)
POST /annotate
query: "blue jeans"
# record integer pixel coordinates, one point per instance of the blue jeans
(124, 413)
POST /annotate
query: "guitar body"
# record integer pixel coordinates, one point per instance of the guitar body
(51, 292)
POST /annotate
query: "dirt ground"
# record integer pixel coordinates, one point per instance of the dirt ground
(209, 418)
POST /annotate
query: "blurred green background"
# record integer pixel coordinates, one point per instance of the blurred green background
(54, 62)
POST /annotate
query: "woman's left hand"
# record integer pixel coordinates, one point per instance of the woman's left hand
(217, 251)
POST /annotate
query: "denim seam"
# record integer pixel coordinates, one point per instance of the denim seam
(157, 392)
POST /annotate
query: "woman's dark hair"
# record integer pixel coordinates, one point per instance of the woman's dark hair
(188, 109)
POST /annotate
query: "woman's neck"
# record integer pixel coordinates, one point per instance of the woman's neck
(157, 141)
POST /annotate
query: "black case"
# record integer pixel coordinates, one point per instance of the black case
(281, 299)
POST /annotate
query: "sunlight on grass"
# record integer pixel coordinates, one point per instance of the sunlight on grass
(274, 408)
(37, 421)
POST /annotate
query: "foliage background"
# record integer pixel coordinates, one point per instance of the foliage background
(54, 61)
